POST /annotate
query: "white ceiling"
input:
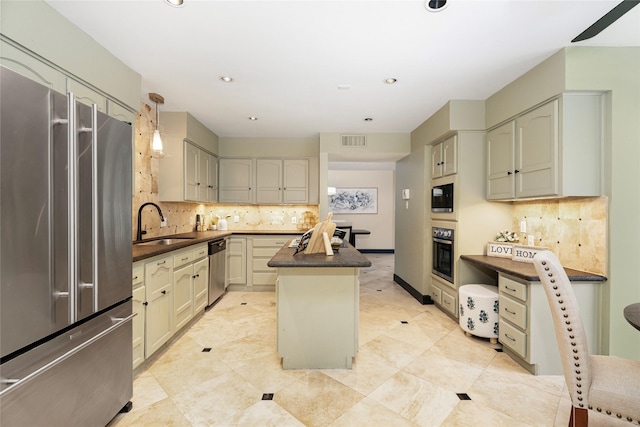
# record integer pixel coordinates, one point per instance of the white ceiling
(287, 58)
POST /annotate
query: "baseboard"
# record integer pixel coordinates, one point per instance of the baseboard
(422, 299)
(376, 251)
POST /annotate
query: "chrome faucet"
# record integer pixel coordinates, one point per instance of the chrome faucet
(140, 231)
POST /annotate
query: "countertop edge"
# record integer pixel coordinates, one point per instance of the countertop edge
(525, 270)
(346, 257)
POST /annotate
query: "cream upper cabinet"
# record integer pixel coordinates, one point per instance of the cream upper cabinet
(500, 162)
(188, 170)
(188, 176)
(551, 151)
(295, 181)
(236, 180)
(264, 180)
(282, 181)
(269, 181)
(444, 158)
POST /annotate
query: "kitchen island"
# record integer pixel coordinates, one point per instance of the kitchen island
(317, 304)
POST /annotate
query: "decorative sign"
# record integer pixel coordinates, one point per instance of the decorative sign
(500, 249)
(520, 253)
(526, 253)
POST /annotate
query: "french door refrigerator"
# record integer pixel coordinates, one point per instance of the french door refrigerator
(65, 259)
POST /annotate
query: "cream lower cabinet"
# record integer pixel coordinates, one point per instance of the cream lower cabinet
(237, 261)
(168, 291)
(138, 307)
(263, 249)
(445, 295)
(190, 284)
(526, 328)
(159, 298)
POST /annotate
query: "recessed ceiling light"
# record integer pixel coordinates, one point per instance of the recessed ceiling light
(174, 3)
(435, 5)
(226, 79)
(368, 119)
(344, 87)
(390, 80)
(253, 118)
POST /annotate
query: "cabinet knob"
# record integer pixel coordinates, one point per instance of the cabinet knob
(517, 171)
(164, 292)
(145, 303)
(509, 173)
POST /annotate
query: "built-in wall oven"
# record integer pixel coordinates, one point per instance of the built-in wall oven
(443, 252)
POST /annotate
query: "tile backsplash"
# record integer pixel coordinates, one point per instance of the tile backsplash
(575, 229)
(181, 216)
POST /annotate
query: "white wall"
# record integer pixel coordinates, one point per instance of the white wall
(381, 224)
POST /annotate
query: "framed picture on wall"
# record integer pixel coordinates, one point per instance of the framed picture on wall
(354, 201)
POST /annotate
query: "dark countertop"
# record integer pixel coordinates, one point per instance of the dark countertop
(269, 232)
(347, 256)
(525, 270)
(141, 252)
(632, 314)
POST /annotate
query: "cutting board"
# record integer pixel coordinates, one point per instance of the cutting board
(316, 244)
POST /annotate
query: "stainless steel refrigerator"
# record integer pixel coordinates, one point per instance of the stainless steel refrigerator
(65, 259)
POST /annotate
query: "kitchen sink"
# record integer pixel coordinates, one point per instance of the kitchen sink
(167, 241)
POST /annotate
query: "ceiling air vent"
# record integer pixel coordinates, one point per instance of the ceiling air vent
(354, 141)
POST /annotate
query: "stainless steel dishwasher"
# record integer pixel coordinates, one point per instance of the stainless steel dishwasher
(217, 263)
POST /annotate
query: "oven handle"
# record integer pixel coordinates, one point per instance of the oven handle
(446, 242)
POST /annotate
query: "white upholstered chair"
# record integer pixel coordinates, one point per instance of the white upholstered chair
(606, 384)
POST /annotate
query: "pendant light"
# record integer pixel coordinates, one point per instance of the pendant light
(156, 142)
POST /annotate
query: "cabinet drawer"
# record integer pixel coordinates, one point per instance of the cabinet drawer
(513, 338)
(137, 276)
(260, 264)
(449, 303)
(513, 311)
(436, 294)
(265, 252)
(200, 252)
(513, 288)
(182, 258)
(276, 242)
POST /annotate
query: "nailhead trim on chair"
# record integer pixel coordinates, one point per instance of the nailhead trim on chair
(577, 358)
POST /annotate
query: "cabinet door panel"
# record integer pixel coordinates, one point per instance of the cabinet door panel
(436, 161)
(296, 181)
(191, 176)
(269, 181)
(449, 157)
(236, 180)
(500, 162)
(200, 285)
(537, 152)
(183, 296)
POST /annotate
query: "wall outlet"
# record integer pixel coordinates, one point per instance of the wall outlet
(236, 218)
(294, 220)
(163, 223)
(523, 226)
(531, 240)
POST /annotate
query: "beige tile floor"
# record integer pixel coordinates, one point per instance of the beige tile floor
(404, 374)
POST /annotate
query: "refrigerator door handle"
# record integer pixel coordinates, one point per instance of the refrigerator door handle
(94, 202)
(72, 223)
(18, 382)
(94, 208)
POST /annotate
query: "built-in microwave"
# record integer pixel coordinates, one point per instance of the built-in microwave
(442, 198)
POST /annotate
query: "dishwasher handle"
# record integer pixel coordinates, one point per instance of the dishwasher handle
(217, 246)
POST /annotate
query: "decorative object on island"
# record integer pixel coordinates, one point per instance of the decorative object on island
(319, 239)
(354, 201)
